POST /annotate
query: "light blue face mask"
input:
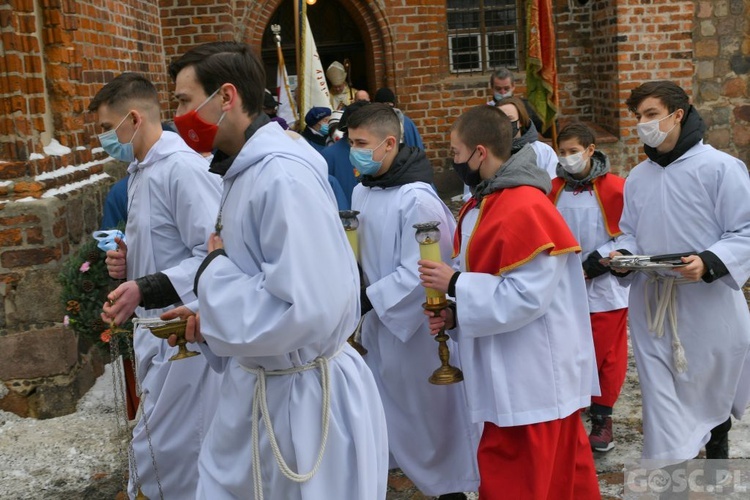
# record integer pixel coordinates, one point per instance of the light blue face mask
(114, 148)
(106, 239)
(324, 129)
(361, 159)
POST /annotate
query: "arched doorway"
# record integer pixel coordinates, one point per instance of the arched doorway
(337, 37)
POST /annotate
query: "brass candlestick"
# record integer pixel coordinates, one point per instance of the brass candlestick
(351, 223)
(428, 237)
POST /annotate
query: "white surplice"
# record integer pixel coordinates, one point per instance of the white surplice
(172, 204)
(525, 339)
(584, 217)
(546, 157)
(698, 202)
(430, 435)
(286, 294)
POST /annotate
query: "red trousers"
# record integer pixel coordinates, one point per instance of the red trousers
(544, 461)
(611, 346)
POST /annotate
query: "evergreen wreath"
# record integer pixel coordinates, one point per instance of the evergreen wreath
(85, 285)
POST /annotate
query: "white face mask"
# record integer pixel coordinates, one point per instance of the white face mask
(499, 96)
(573, 164)
(650, 133)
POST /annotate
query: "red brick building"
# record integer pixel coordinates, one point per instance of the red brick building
(435, 54)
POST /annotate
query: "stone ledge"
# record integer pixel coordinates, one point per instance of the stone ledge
(38, 353)
(54, 396)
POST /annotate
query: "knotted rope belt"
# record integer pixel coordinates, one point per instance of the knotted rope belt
(260, 409)
(665, 295)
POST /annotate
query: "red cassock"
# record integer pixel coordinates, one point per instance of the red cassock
(545, 460)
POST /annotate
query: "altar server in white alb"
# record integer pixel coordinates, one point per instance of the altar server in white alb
(430, 435)
(687, 198)
(589, 197)
(299, 415)
(171, 200)
(521, 318)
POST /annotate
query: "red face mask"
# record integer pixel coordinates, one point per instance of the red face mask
(196, 132)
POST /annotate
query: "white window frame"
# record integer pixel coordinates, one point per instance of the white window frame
(478, 53)
(514, 50)
(483, 37)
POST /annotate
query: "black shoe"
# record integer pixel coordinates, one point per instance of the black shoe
(453, 496)
(718, 446)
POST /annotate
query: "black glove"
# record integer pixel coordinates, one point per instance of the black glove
(592, 267)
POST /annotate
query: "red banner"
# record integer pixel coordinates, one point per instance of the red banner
(541, 60)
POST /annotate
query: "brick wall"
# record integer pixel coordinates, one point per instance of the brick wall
(56, 56)
(579, 46)
(187, 24)
(21, 83)
(654, 43)
(603, 70)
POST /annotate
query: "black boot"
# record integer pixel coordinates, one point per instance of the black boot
(717, 455)
(718, 445)
(452, 496)
(669, 473)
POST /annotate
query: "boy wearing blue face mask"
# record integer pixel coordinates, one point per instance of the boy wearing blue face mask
(687, 198)
(589, 198)
(439, 453)
(172, 200)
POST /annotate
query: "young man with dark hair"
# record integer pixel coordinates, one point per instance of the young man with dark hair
(171, 199)
(589, 197)
(523, 332)
(299, 415)
(409, 133)
(687, 198)
(337, 156)
(438, 454)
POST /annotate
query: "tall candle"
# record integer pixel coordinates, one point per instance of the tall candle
(430, 250)
(351, 223)
(351, 235)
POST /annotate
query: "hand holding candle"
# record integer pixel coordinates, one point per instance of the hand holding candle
(428, 237)
(435, 275)
(433, 272)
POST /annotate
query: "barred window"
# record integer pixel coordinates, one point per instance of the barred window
(482, 34)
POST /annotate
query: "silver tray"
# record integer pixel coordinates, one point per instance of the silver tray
(640, 263)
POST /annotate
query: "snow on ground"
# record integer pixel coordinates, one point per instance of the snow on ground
(71, 457)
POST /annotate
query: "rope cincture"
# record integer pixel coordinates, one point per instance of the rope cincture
(260, 409)
(665, 294)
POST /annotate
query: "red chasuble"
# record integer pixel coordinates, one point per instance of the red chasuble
(608, 190)
(514, 225)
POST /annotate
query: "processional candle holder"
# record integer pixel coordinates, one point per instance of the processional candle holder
(351, 223)
(428, 237)
(165, 329)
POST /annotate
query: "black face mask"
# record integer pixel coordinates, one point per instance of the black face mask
(514, 128)
(469, 177)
